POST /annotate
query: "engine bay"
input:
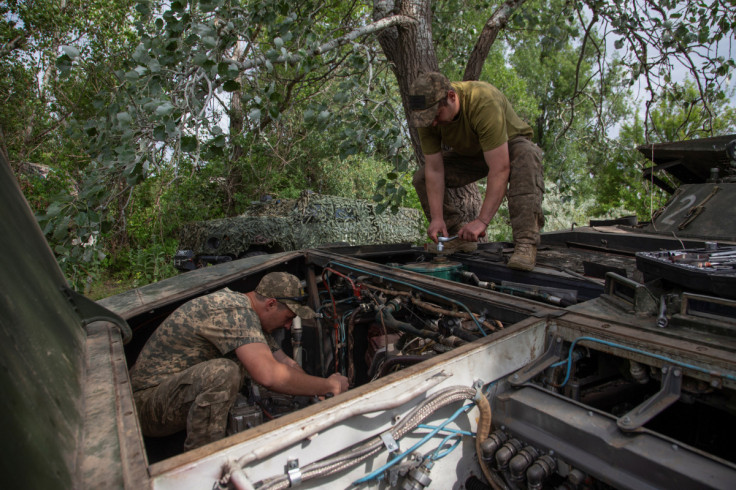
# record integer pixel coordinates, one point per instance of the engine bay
(597, 394)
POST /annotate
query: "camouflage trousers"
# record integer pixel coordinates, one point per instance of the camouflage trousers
(197, 399)
(524, 194)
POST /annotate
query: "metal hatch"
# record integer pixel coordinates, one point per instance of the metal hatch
(42, 353)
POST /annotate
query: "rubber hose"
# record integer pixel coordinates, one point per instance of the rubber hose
(355, 456)
(481, 434)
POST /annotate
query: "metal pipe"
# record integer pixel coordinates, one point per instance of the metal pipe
(368, 403)
(296, 339)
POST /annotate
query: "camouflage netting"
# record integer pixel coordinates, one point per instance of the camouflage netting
(307, 222)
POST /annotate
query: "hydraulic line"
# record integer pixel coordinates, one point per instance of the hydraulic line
(568, 361)
(397, 281)
(392, 322)
(371, 447)
(434, 308)
(401, 456)
(335, 322)
(481, 434)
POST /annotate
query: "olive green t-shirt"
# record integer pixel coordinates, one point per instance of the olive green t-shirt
(486, 121)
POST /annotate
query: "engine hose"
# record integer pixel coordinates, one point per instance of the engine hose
(455, 314)
(436, 309)
(481, 434)
(399, 361)
(392, 322)
(371, 447)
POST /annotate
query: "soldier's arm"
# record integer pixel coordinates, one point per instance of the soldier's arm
(281, 378)
(497, 160)
(281, 357)
(434, 173)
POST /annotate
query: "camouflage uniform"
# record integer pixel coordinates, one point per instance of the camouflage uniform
(524, 194)
(187, 375)
(486, 121)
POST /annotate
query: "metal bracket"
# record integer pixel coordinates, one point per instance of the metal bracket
(294, 472)
(668, 394)
(552, 354)
(389, 441)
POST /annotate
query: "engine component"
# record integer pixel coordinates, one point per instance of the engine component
(243, 415)
(419, 477)
(492, 444)
(507, 451)
(539, 471)
(522, 461)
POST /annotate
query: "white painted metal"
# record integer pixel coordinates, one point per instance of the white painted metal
(360, 417)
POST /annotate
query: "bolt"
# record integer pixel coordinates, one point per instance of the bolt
(714, 383)
(677, 373)
(627, 420)
(516, 376)
(664, 370)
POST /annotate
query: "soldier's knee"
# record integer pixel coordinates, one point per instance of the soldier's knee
(223, 374)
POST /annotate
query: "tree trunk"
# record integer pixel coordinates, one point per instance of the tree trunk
(410, 51)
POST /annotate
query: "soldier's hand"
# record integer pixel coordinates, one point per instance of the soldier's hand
(436, 226)
(339, 383)
(472, 231)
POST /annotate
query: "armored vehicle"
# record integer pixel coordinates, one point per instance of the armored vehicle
(279, 225)
(611, 365)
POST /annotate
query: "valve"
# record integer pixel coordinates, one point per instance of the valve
(418, 478)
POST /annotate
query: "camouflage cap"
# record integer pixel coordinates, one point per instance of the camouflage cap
(425, 93)
(287, 289)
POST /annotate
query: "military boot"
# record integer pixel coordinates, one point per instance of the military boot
(524, 257)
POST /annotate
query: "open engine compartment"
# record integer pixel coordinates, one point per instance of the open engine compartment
(585, 387)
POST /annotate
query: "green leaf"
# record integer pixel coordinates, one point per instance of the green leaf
(231, 86)
(71, 52)
(124, 118)
(63, 64)
(159, 133)
(188, 143)
(164, 109)
(154, 66)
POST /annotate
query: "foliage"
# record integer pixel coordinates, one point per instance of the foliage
(619, 182)
(153, 114)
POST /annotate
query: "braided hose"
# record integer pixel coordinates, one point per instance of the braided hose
(481, 434)
(355, 456)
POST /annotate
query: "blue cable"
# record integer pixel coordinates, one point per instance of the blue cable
(436, 454)
(638, 351)
(452, 431)
(417, 288)
(377, 473)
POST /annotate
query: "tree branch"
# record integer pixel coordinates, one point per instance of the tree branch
(488, 35)
(377, 26)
